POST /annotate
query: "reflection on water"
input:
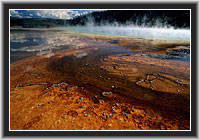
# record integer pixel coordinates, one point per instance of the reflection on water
(80, 55)
(25, 43)
(31, 41)
(182, 57)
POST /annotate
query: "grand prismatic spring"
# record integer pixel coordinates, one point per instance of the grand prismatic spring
(100, 78)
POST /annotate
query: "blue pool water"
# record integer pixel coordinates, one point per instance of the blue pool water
(132, 31)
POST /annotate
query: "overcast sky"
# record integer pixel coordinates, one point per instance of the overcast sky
(58, 14)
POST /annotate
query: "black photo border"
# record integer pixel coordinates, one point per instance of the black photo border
(148, 5)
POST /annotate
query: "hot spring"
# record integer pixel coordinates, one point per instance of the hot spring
(134, 31)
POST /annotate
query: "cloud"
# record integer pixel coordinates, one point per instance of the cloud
(57, 14)
(62, 14)
(15, 13)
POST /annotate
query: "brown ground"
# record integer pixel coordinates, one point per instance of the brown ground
(118, 92)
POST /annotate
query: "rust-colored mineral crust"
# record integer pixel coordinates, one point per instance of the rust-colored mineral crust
(130, 91)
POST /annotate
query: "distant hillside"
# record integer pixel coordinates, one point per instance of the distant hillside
(174, 18)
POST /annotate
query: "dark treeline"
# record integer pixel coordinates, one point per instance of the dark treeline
(170, 18)
(175, 18)
(36, 22)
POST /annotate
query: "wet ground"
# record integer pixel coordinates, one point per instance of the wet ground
(73, 81)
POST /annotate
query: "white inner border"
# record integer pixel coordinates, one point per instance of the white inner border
(102, 9)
